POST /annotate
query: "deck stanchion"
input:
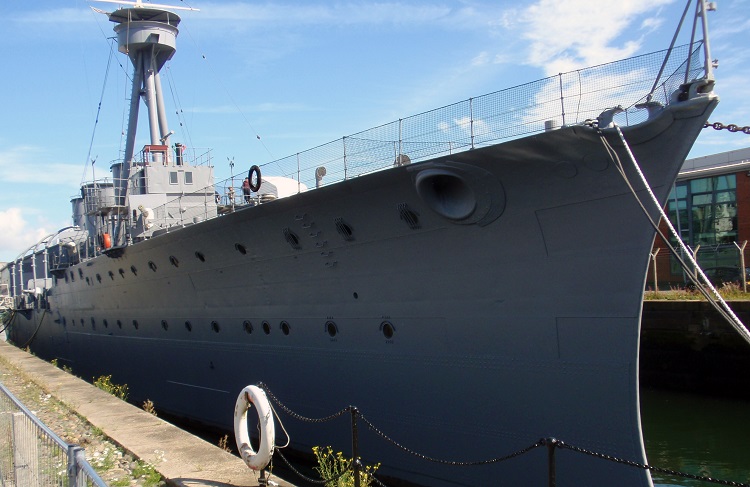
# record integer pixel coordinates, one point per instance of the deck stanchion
(551, 446)
(355, 445)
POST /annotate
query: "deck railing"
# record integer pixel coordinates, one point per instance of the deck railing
(32, 455)
(564, 99)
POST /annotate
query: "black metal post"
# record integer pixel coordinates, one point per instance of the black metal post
(355, 446)
(551, 446)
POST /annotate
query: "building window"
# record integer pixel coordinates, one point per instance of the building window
(704, 212)
(707, 210)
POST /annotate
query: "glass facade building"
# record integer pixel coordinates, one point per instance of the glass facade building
(709, 208)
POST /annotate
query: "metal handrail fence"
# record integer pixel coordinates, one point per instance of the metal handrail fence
(620, 89)
(557, 101)
(33, 455)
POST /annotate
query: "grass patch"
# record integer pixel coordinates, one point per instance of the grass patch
(728, 291)
(146, 472)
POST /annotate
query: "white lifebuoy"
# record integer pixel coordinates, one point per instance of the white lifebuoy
(254, 396)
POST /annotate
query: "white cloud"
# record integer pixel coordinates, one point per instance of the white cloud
(28, 164)
(16, 233)
(569, 34)
(394, 13)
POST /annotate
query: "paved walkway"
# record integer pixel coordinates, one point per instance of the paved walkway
(181, 458)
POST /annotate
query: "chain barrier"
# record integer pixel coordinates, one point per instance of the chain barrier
(448, 462)
(305, 477)
(550, 443)
(299, 416)
(731, 127)
(666, 471)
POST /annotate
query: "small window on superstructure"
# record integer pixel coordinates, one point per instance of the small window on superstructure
(173, 177)
(188, 177)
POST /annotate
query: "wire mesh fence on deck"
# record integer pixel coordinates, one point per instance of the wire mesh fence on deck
(628, 90)
(565, 99)
(32, 455)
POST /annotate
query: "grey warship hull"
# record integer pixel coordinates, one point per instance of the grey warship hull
(467, 304)
(504, 333)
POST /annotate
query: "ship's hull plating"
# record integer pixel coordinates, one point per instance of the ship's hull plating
(517, 322)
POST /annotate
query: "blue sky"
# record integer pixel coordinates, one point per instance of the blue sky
(299, 74)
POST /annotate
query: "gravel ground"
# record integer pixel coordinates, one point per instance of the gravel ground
(115, 466)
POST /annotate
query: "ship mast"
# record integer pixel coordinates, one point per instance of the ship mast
(147, 36)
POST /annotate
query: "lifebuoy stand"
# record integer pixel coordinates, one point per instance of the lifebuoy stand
(249, 397)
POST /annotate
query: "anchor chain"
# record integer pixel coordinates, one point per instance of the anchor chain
(731, 127)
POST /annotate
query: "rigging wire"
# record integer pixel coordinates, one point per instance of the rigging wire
(178, 104)
(98, 112)
(226, 90)
(715, 300)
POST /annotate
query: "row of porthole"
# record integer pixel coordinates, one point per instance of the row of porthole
(386, 327)
(151, 265)
(343, 228)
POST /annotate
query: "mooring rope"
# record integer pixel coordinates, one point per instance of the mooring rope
(717, 301)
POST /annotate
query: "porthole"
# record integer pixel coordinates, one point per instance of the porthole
(266, 328)
(135, 324)
(355, 296)
(64, 321)
(240, 248)
(81, 321)
(88, 281)
(122, 273)
(247, 326)
(200, 256)
(164, 325)
(106, 324)
(133, 270)
(215, 326)
(188, 326)
(93, 322)
(99, 278)
(387, 328)
(112, 275)
(331, 329)
(152, 265)
(173, 260)
(119, 324)
(284, 327)
(80, 273)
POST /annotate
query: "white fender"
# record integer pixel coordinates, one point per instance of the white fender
(254, 396)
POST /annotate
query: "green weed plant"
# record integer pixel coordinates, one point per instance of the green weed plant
(105, 383)
(336, 470)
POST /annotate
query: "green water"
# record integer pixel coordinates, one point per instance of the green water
(696, 434)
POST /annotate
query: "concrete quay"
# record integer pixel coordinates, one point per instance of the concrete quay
(181, 458)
